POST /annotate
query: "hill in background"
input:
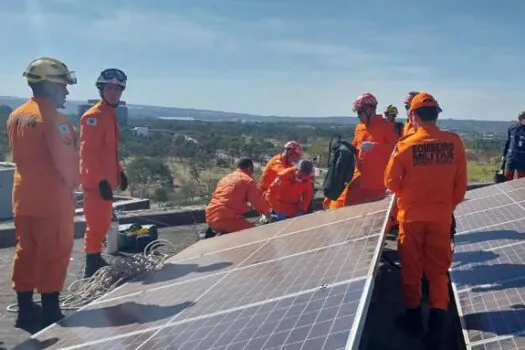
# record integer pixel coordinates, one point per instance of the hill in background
(487, 128)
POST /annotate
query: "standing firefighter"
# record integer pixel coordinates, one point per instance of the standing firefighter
(428, 174)
(514, 149)
(101, 172)
(374, 140)
(409, 127)
(391, 113)
(44, 149)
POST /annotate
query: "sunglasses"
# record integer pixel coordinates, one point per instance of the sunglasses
(407, 106)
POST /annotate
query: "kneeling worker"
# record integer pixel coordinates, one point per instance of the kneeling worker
(228, 204)
(428, 174)
(291, 193)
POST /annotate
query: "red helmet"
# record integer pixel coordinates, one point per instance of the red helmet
(365, 100)
(294, 146)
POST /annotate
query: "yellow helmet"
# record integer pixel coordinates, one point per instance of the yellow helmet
(391, 110)
(49, 69)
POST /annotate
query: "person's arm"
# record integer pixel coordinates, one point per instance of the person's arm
(256, 199)
(60, 142)
(461, 178)
(394, 172)
(507, 143)
(91, 137)
(308, 194)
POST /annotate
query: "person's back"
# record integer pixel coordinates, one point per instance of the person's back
(431, 159)
(428, 174)
(228, 204)
(33, 129)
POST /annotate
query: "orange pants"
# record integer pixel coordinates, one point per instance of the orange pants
(42, 253)
(232, 225)
(424, 247)
(98, 213)
(353, 194)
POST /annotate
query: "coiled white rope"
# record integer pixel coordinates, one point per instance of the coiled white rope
(122, 269)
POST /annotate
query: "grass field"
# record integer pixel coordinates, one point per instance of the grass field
(481, 172)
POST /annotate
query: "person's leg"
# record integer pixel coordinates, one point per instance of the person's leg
(410, 243)
(55, 245)
(24, 274)
(98, 213)
(232, 225)
(437, 259)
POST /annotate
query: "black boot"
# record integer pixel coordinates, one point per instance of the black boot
(51, 312)
(411, 322)
(433, 339)
(29, 314)
(93, 263)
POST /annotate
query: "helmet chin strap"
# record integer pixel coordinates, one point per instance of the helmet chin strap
(103, 99)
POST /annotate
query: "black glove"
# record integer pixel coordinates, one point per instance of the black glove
(123, 181)
(105, 191)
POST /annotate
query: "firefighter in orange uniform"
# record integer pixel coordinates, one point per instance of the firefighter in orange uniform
(428, 174)
(101, 172)
(374, 139)
(291, 192)
(44, 149)
(292, 152)
(224, 213)
(390, 114)
(409, 125)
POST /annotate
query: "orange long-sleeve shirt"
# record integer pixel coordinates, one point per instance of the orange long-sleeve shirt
(372, 163)
(45, 150)
(428, 174)
(275, 165)
(287, 195)
(230, 198)
(99, 142)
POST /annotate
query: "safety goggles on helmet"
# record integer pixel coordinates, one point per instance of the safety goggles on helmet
(112, 76)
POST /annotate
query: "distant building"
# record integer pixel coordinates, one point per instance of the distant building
(122, 111)
(141, 130)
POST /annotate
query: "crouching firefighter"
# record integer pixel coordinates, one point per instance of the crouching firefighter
(225, 212)
(291, 192)
(44, 149)
(428, 174)
(101, 172)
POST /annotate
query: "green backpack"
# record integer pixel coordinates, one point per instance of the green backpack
(341, 165)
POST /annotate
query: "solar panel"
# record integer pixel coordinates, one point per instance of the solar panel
(488, 270)
(304, 283)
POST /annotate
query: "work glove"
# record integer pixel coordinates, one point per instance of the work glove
(123, 181)
(367, 146)
(104, 188)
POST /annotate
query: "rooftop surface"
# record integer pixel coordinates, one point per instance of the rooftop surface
(379, 330)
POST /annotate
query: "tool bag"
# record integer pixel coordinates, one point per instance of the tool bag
(499, 176)
(341, 165)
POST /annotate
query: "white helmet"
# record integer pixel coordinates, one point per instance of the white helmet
(112, 76)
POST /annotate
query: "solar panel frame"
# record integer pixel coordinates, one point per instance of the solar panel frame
(254, 245)
(491, 292)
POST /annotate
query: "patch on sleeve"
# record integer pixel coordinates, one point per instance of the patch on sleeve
(63, 129)
(91, 121)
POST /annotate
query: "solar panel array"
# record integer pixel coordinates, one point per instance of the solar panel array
(304, 283)
(488, 271)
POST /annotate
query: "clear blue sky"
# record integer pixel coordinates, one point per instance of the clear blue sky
(282, 57)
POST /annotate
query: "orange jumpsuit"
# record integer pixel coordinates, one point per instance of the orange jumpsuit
(367, 183)
(409, 128)
(99, 141)
(428, 174)
(272, 168)
(44, 149)
(289, 196)
(228, 203)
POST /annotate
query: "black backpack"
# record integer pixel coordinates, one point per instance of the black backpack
(341, 165)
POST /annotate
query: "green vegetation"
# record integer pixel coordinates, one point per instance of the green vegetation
(179, 162)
